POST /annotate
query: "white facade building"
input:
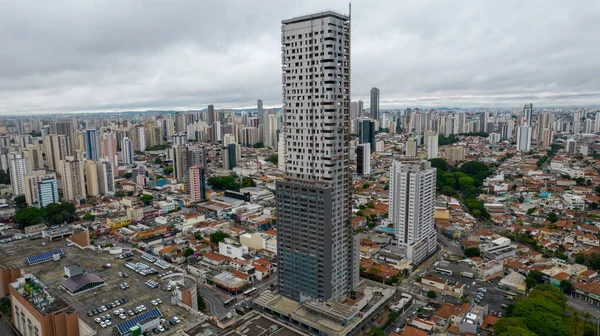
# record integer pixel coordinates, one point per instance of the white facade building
(18, 167)
(524, 138)
(411, 207)
(431, 139)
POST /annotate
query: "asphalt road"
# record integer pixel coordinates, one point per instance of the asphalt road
(583, 307)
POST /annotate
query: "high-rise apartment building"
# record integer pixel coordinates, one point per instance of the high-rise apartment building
(92, 144)
(431, 139)
(127, 151)
(461, 120)
(91, 178)
(375, 103)
(597, 123)
(55, 148)
(318, 254)
(211, 114)
(63, 127)
(106, 177)
(524, 138)
(527, 115)
(230, 156)
(18, 168)
(108, 148)
(571, 146)
(197, 183)
(547, 137)
(411, 146)
(180, 164)
(483, 122)
(73, 179)
(455, 154)
(363, 159)
(411, 207)
(32, 181)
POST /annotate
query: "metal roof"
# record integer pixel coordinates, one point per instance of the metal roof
(123, 328)
(38, 258)
(78, 281)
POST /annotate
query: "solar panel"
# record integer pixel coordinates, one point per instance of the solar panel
(38, 258)
(125, 326)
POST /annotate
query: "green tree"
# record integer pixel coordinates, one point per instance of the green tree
(258, 145)
(362, 207)
(466, 182)
(517, 331)
(218, 236)
(531, 210)
(552, 217)
(370, 205)
(88, 217)
(157, 161)
(248, 182)
(580, 259)
(120, 193)
(431, 294)
(58, 213)
(4, 177)
(506, 322)
(439, 164)
(168, 170)
(146, 199)
(376, 331)
(566, 286)
(188, 252)
(29, 216)
(546, 324)
(471, 252)
(365, 185)
(224, 183)
(201, 302)
(20, 202)
(197, 235)
(274, 159)
(127, 175)
(525, 307)
(392, 316)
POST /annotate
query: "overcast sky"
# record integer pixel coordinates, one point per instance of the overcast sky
(72, 56)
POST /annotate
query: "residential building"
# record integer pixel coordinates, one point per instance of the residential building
(180, 164)
(455, 154)
(18, 168)
(375, 103)
(524, 138)
(431, 139)
(318, 254)
(197, 183)
(527, 115)
(411, 207)
(106, 179)
(411, 146)
(32, 181)
(92, 144)
(127, 151)
(363, 159)
(73, 179)
(47, 191)
(366, 133)
(91, 173)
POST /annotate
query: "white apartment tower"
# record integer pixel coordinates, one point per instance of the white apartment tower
(524, 138)
(318, 253)
(411, 207)
(18, 167)
(431, 139)
(127, 151)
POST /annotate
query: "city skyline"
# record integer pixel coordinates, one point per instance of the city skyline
(186, 67)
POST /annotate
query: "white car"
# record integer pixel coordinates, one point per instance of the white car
(161, 328)
(159, 301)
(154, 303)
(98, 320)
(176, 319)
(104, 308)
(122, 316)
(108, 323)
(103, 324)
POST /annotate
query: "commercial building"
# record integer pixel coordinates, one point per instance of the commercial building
(363, 159)
(37, 312)
(411, 207)
(230, 156)
(318, 254)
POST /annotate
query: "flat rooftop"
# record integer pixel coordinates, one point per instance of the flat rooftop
(38, 295)
(315, 16)
(253, 324)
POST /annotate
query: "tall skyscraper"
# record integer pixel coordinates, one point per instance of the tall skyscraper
(63, 127)
(411, 146)
(524, 138)
(73, 179)
(211, 114)
(483, 122)
(197, 184)
(366, 133)
(230, 156)
(106, 177)
(547, 137)
(180, 164)
(411, 207)
(597, 123)
(375, 103)
(318, 254)
(363, 159)
(462, 119)
(108, 150)
(55, 148)
(527, 114)
(127, 151)
(91, 178)
(18, 167)
(431, 140)
(32, 181)
(92, 144)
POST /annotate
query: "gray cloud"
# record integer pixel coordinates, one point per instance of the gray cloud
(111, 55)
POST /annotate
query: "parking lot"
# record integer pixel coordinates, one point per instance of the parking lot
(493, 297)
(51, 273)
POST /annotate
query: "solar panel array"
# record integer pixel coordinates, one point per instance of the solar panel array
(124, 327)
(38, 258)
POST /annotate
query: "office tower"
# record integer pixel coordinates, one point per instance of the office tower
(455, 154)
(366, 133)
(527, 114)
(230, 156)
(127, 151)
(106, 177)
(108, 148)
(317, 251)
(210, 114)
(197, 184)
(281, 152)
(462, 119)
(180, 122)
(363, 159)
(571, 146)
(411, 146)
(32, 180)
(375, 103)
(55, 148)
(91, 178)
(73, 179)
(483, 122)
(18, 167)
(47, 191)
(431, 140)
(411, 207)
(597, 123)
(524, 138)
(547, 138)
(180, 164)
(92, 144)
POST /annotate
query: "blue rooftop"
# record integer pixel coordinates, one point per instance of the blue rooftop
(39, 258)
(123, 328)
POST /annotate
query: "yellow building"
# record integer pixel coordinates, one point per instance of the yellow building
(118, 222)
